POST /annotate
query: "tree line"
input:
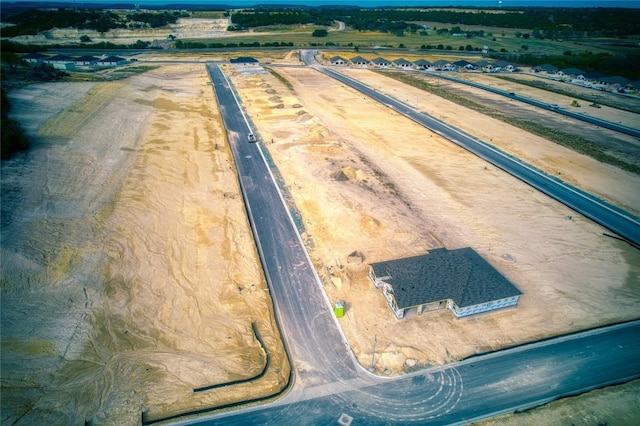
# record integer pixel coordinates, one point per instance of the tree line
(548, 22)
(34, 21)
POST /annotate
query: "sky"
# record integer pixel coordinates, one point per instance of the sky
(377, 3)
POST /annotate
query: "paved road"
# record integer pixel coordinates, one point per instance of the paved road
(611, 217)
(330, 388)
(315, 343)
(550, 107)
(462, 392)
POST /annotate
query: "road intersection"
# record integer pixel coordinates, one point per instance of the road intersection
(329, 386)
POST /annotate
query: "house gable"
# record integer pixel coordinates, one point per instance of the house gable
(359, 61)
(34, 57)
(402, 63)
(422, 64)
(381, 62)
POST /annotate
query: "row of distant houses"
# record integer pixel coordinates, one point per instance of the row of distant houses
(65, 62)
(593, 79)
(573, 75)
(423, 64)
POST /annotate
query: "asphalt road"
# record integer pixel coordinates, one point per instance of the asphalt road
(313, 339)
(544, 105)
(329, 387)
(476, 388)
(609, 216)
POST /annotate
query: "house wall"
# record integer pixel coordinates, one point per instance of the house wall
(377, 281)
(483, 307)
(62, 65)
(387, 292)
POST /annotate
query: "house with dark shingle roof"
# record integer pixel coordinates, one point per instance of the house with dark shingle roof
(85, 60)
(464, 64)
(422, 64)
(460, 280)
(573, 73)
(61, 62)
(381, 62)
(547, 68)
(484, 66)
(244, 61)
(443, 65)
(111, 61)
(359, 61)
(34, 57)
(337, 60)
(403, 64)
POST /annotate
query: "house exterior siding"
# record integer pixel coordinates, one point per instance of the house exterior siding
(483, 307)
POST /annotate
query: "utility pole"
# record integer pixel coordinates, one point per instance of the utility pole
(373, 355)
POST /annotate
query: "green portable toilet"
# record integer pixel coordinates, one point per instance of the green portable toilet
(339, 309)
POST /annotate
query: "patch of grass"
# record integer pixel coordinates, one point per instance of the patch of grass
(496, 39)
(208, 14)
(567, 140)
(544, 86)
(139, 69)
(283, 80)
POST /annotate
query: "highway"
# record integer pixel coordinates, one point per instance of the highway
(609, 216)
(329, 387)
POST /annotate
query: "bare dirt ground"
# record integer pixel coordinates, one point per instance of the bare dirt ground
(407, 190)
(370, 181)
(129, 274)
(191, 28)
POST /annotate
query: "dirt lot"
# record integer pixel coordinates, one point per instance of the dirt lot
(126, 252)
(407, 191)
(129, 274)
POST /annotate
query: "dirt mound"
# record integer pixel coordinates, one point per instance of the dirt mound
(348, 174)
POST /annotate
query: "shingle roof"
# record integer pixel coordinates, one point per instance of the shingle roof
(547, 68)
(34, 55)
(402, 61)
(380, 61)
(462, 63)
(359, 60)
(616, 79)
(243, 60)
(441, 63)
(337, 58)
(60, 58)
(460, 275)
(593, 75)
(422, 62)
(572, 71)
(86, 59)
(112, 59)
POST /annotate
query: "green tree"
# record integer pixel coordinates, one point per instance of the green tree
(11, 59)
(319, 33)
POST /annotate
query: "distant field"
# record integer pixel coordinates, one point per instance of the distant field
(497, 40)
